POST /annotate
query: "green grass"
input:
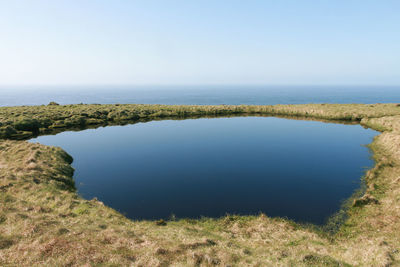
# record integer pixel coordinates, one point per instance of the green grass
(43, 222)
(27, 121)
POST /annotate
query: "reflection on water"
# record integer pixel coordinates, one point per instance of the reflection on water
(210, 167)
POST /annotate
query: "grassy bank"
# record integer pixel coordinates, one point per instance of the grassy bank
(28, 121)
(44, 222)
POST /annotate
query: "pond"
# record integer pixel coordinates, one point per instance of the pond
(302, 170)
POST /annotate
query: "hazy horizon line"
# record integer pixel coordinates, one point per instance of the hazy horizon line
(200, 85)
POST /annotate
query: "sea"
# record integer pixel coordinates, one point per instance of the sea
(198, 95)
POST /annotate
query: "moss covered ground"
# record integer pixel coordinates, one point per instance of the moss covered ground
(43, 222)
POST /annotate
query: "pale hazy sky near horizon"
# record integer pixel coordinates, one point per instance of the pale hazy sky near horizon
(199, 42)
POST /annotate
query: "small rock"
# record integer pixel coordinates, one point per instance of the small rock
(161, 222)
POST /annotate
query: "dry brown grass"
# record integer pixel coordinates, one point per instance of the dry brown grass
(44, 222)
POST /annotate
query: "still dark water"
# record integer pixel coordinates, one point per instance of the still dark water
(302, 170)
(198, 95)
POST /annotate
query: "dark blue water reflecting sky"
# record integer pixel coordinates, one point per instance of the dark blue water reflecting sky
(209, 167)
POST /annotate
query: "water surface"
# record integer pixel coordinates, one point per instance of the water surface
(302, 170)
(198, 95)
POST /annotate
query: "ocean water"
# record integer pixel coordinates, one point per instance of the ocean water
(198, 95)
(301, 170)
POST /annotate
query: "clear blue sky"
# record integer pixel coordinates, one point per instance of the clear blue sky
(199, 42)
